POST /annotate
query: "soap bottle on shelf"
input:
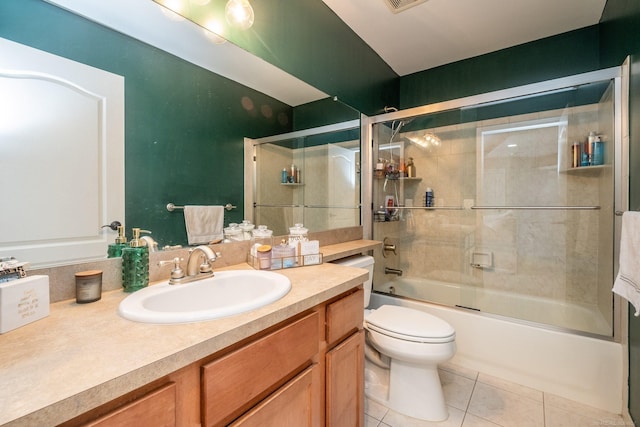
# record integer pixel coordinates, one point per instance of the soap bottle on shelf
(135, 263)
(411, 168)
(115, 249)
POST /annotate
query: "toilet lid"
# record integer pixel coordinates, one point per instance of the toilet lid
(409, 324)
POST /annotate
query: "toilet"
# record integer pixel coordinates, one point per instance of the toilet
(404, 348)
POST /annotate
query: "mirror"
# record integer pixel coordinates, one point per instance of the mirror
(246, 96)
(310, 177)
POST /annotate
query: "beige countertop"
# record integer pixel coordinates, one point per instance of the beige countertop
(83, 355)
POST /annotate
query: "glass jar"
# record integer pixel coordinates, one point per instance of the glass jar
(233, 233)
(297, 234)
(246, 228)
(264, 257)
(260, 236)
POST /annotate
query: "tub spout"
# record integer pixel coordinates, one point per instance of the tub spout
(388, 270)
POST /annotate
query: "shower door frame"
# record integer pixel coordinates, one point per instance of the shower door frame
(620, 77)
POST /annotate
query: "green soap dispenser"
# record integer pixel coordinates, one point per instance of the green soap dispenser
(115, 249)
(135, 264)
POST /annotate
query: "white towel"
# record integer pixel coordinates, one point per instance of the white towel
(627, 284)
(204, 223)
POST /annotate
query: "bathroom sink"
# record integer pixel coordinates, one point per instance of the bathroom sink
(225, 294)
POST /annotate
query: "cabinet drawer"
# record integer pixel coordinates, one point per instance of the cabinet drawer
(237, 381)
(345, 316)
(157, 408)
(291, 406)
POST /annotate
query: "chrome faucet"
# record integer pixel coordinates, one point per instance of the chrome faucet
(395, 271)
(198, 265)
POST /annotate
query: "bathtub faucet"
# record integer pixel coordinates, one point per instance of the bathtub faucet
(395, 271)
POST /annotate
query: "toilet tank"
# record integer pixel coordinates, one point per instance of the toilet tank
(361, 261)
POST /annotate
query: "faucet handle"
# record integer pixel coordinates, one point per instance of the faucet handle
(205, 267)
(177, 272)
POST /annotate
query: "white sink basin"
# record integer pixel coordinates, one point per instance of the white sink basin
(225, 294)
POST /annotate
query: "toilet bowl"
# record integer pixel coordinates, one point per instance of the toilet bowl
(404, 348)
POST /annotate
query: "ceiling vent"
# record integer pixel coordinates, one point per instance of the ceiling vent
(397, 6)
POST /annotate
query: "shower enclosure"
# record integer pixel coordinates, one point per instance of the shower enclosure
(510, 206)
(323, 191)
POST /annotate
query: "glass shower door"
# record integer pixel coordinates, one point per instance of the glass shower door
(500, 218)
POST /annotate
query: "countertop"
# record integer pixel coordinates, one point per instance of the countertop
(83, 355)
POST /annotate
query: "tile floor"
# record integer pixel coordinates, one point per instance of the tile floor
(478, 400)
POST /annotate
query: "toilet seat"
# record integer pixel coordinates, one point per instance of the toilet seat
(410, 325)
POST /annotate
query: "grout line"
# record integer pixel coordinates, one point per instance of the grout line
(466, 409)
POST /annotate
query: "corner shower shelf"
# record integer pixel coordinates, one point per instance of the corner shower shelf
(403, 178)
(587, 170)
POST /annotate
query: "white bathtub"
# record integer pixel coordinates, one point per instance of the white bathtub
(510, 304)
(583, 369)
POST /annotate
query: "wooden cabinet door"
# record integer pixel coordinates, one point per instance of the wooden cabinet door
(290, 406)
(157, 409)
(239, 380)
(345, 383)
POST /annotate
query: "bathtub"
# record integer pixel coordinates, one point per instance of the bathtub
(517, 306)
(580, 368)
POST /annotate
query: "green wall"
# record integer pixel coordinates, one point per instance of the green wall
(305, 38)
(563, 55)
(184, 126)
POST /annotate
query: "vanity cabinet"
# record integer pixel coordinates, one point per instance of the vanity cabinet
(307, 371)
(236, 382)
(344, 361)
(157, 408)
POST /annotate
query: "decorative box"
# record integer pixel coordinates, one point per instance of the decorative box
(23, 301)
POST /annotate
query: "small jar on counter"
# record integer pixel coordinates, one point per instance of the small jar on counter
(88, 286)
(264, 257)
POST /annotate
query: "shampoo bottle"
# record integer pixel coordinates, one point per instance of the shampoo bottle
(135, 264)
(115, 249)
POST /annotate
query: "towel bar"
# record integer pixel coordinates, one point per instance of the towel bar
(171, 207)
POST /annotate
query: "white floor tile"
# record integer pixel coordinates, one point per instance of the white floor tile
(374, 409)
(395, 419)
(457, 389)
(369, 421)
(459, 370)
(511, 387)
(479, 400)
(561, 412)
(505, 408)
(471, 420)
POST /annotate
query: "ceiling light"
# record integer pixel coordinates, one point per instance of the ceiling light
(428, 140)
(239, 13)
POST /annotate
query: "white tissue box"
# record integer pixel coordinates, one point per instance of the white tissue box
(23, 301)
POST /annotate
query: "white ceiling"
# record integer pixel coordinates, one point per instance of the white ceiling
(438, 32)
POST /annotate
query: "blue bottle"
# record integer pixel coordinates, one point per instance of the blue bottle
(429, 197)
(598, 151)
